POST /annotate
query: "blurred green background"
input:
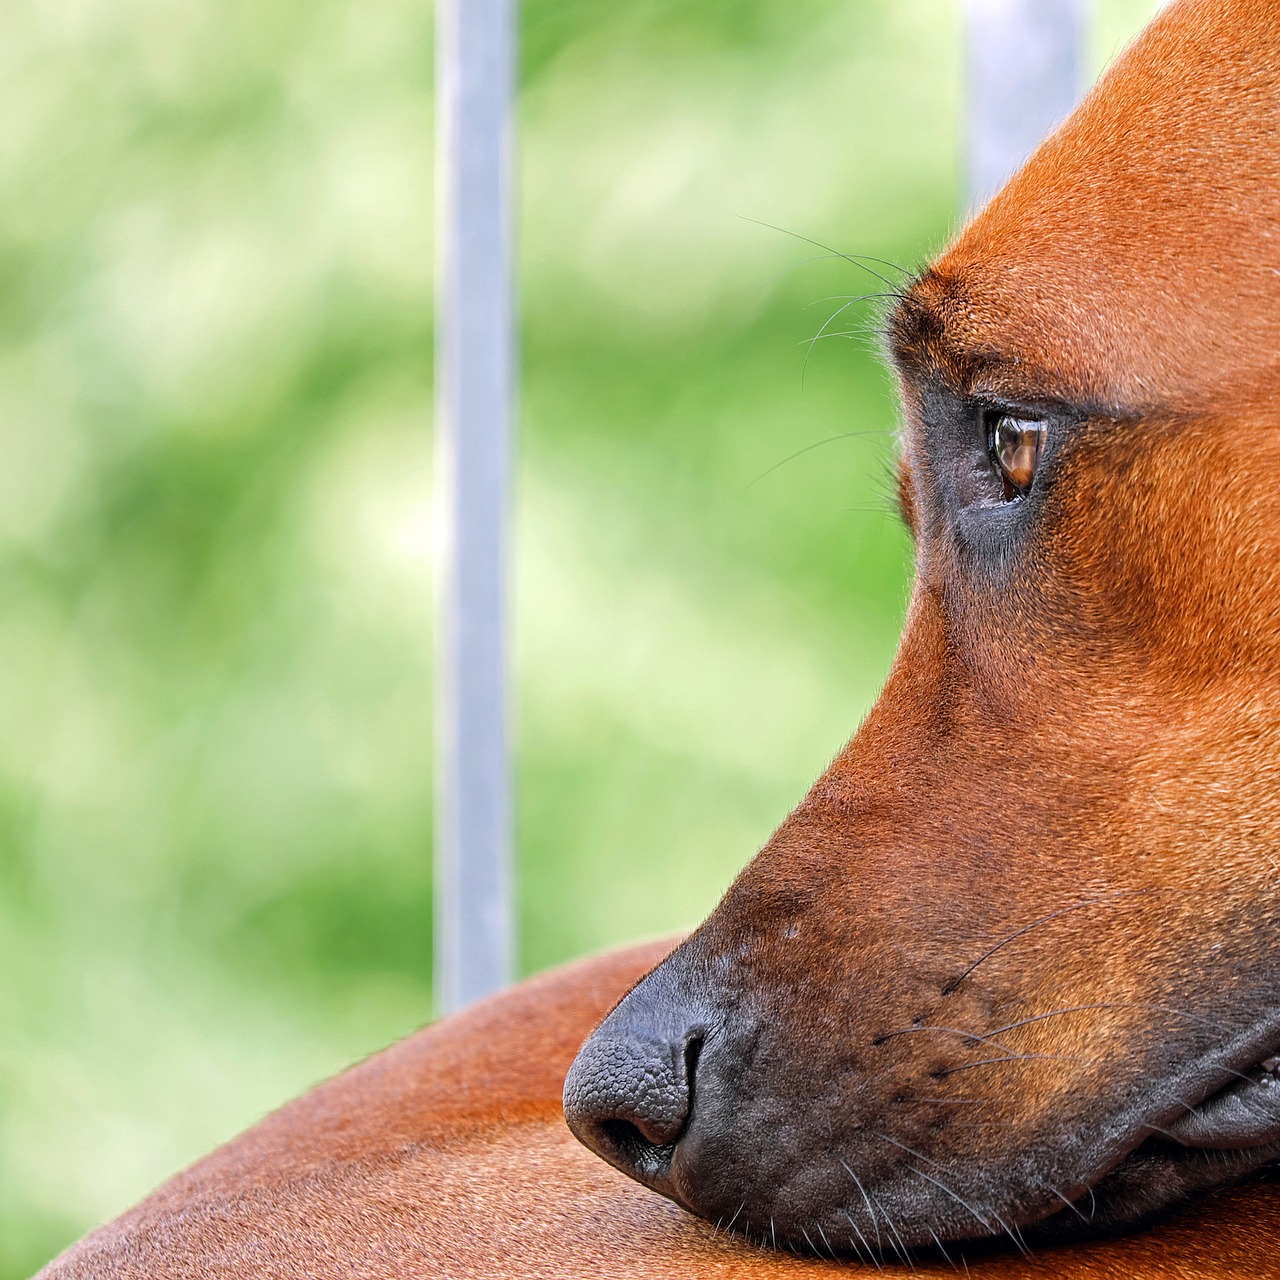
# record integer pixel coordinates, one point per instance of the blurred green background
(215, 514)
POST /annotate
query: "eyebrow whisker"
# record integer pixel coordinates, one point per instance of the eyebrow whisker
(817, 444)
(859, 260)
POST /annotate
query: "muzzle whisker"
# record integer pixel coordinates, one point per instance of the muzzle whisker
(1014, 1234)
(1026, 928)
(1054, 1191)
(871, 1213)
(818, 1228)
(871, 1253)
(858, 260)
(955, 1102)
(810, 343)
(941, 1248)
(1013, 1057)
(911, 1151)
(834, 333)
(896, 1240)
(792, 267)
(977, 1036)
(1107, 1004)
(942, 1186)
(964, 1204)
(850, 1247)
(845, 297)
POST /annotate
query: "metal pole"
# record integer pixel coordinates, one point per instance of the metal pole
(1025, 68)
(475, 356)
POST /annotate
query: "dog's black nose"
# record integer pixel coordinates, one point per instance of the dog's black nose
(629, 1093)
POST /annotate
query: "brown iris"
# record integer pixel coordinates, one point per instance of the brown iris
(1016, 445)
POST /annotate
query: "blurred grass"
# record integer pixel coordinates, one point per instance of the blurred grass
(215, 401)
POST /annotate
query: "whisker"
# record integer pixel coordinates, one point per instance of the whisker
(1054, 1190)
(1026, 928)
(817, 444)
(941, 1248)
(964, 1204)
(848, 299)
(1164, 1133)
(911, 1151)
(823, 1234)
(859, 260)
(1106, 1004)
(1013, 1057)
(795, 266)
(870, 1252)
(1231, 1071)
(957, 1102)
(899, 1245)
(836, 333)
(845, 297)
(826, 324)
(942, 1186)
(1013, 1233)
(871, 1213)
(977, 1036)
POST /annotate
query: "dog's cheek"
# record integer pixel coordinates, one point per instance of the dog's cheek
(1158, 555)
(1161, 562)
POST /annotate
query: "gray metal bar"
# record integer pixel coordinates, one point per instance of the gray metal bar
(475, 358)
(1026, 65)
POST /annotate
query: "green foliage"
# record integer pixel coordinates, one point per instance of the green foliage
(215, 407)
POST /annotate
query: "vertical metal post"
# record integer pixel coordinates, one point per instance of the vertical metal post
(475, 356)
(1025, 68)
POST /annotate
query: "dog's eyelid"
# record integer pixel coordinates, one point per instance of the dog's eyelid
(1043, 407)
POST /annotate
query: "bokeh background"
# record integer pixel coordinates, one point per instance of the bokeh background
(215, 514)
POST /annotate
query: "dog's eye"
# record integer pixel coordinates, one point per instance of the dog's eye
(1014, 446)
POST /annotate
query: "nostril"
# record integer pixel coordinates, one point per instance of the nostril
(648, 1159)
(628, 1096)
(692, 1052)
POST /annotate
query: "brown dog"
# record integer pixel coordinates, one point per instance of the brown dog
(1009, 975)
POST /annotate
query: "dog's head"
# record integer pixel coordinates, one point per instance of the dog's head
(1014, 962)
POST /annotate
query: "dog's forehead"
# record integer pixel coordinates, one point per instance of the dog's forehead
(1135, 260)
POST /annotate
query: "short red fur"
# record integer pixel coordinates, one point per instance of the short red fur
(1130, 677)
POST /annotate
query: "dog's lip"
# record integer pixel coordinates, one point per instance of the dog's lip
(1214, 1123)
(1199, 1098)
(1244, 1113)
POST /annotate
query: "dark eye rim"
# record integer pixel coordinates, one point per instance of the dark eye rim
(998, 532)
